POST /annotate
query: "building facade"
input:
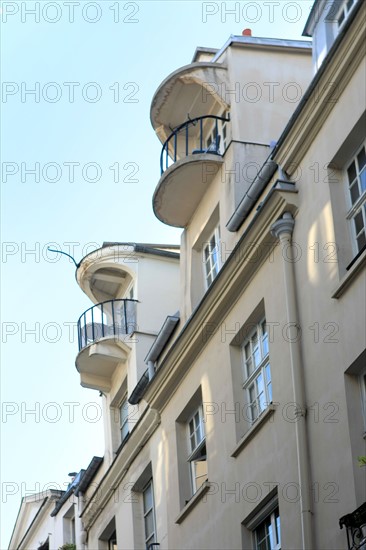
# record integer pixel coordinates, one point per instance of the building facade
(233, 372)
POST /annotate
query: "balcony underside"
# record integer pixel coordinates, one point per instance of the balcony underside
(182, 186)
(97, 362)
(195, 89)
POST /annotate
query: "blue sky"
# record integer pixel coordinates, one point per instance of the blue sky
(94, 67)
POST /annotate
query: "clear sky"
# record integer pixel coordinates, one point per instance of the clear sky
(80, 162)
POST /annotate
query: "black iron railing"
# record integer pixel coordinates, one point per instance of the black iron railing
(355, 524)
(180, 139)
(111, 318)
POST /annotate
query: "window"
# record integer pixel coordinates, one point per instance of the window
(222, 130)
(149, 514)
(112, 541)
(344, 11)
(197, 450)
(267, 534)
(123, 419)
(257, 371)
(356, 180)
(211, 257)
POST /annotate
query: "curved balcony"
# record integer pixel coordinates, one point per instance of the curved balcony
(190, 159)
(194, 88)
(103, 335)
(108, 272)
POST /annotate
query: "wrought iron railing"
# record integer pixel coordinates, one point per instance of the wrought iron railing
(111, 318)
(180, 138)
(355, 524)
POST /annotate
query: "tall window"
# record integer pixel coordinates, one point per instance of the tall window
(149, 514)
(197, 450)
(257, 371)
(356, 178)
(123, 418)
(211, 257)
(267, 534)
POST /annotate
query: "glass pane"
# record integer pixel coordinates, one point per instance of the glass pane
(191, 427)
(363, 180)
(361, 240)
(278, 527)
(354, 192)
(358, 219)
(352, 172)
(260, 384)
(200, 473)
(349, 4)
(249, 365)
(149, 524)
(247, 350)
(341, 18)
(361, 157)
(124, 412)
(256, 356)
(124, 431)
(148, 501)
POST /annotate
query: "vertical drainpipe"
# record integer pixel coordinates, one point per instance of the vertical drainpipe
(282, 229)
(151, 369)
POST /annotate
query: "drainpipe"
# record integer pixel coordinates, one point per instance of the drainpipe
(282, 229)
(151, 369)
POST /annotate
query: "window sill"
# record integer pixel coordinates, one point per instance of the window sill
(193, 501)
(348, 278)
(252, 431)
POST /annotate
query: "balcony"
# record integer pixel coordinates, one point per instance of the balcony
(190, 159)
(104, 341)
(355, 524)
(190, 89)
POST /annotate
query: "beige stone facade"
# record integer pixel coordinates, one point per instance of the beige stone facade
(235, 390)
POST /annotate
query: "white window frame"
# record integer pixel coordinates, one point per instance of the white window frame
(123, 418)
(149, 538)
(257, 377)
(344, 12)
(211, 263)
(274, 531)
(358, 205)
(197, 449)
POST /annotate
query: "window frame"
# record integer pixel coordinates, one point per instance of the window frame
(343, 12)
(196, 453)
(215, 265)
(261, 369)
(358, 206)
(123, 422)
(149, 538)
(276, 530)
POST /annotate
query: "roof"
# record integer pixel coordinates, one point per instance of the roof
(253, 41)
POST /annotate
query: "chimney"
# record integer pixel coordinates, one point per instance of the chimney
(247, 32)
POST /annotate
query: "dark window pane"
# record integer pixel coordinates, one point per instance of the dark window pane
(361, 157)
(361, 240)
(352, 172)
(354, 192)
(358, 222)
